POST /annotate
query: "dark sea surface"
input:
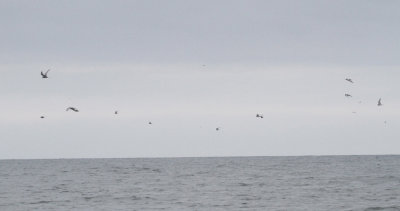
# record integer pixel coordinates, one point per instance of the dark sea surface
(236, 183)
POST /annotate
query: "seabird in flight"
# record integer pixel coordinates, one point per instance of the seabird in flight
(379, 102)
(116, 112)
(72, 108)
(44, 75)
(150, 123)
(349, 80)
(260, 116)
(348, 95)
(217, 129)
(42, 117)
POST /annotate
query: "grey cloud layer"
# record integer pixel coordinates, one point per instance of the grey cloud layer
(336, 32)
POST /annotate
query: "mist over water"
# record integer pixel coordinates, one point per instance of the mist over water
(232, 183)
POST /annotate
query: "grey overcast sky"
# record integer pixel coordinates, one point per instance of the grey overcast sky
(191, 66)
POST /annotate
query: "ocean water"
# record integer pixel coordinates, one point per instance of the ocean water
(236, 183)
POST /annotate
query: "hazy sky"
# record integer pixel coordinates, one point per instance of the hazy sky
(192, 66)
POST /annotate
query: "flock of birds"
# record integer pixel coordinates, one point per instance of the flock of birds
(349, 95)
(45, 75)
(261, 116)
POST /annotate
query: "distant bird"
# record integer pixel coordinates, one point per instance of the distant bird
(379, 102)
(217, 129)
(259, 116)
(354, 112)
(73, 109)
(42, 117)
(150, 123)
(349, 80)
(116, 112)
(348, 95)
(44, 75)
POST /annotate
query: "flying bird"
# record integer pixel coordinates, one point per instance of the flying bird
(42, 117)
(259, 116)
(73, 109)
(348, 95)
(349, 80)
(150, 123)
(44, 75)
(116, 112)
(217, 129)
(379, 102)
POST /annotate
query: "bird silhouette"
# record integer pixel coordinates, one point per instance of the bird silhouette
(44, 75)
(349, 80)
(348, 95)
(73, 109)
(379, 102)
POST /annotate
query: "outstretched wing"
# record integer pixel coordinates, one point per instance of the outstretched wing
(47, 71)
(41, 73)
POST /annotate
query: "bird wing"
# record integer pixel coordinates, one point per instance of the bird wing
(41, 73)
(47, 71)
(71, 108)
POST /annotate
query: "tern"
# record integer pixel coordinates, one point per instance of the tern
(349, 80)
(379, 102)
(260, 116)
(73, 109)
(44, 75)
(348, 95)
